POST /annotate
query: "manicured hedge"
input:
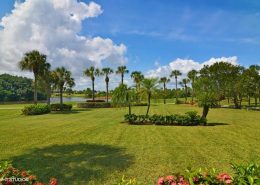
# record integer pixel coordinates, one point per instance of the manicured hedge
(36, 109)
(190, 118)
(94, 105)
(59, 107)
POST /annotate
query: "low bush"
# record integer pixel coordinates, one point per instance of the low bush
(94, 105)
(36, 109)
(12, 176)
(190, 118)
(59, 107)
(95, 101)
(243, 175)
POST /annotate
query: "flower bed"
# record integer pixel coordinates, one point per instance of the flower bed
(12, 176)
(189, 119)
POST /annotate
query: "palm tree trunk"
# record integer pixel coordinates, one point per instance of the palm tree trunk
(192, 93)
(48, 95)
(61, 97)
(93, 90)
(249, 102)
(205, 111)
(176, 90)
(186, 93)
(164, 87)
(122, 78)
(35, 89)
(149, 103)
(107, 90)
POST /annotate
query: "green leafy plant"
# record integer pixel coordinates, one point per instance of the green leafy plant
(36, 109)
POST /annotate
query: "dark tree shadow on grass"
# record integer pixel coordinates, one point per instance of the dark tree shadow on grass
(74, 111)
(216, 124)
(74, 164)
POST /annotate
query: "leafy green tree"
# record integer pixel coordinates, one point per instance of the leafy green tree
(184, 83)
(164, 80)
(192, 76)
(35, 62)
(106, 72)
(62, 80)
(175, 74)
(92, 73)
(149, 85)
(137, 76)
(122, 70)
(122, 95)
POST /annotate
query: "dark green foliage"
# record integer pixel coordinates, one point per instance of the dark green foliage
(189, 119)
(15, 88)
(94, 105)
(96, 101)
(246, 174)
(59, 107)
(36, 109)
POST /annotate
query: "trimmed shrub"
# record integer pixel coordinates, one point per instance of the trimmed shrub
(36, 109)
(190, 118)
(94, 105)
(95, 101)
(59, 107)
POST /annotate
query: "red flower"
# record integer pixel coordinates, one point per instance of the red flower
(160, 181)
(53, 181)
(9, 183)
(170, 178)
(38, 183)
(24, 174)
(225, 178)
(32, 177)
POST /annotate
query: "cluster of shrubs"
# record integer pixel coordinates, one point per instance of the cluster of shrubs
(45, 109)
(95, 101)
(94, 105)
(243, 175)
(13, 176)
(59, 107)
(36, 109)
(190, 118)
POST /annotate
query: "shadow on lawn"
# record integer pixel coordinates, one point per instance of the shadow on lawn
(74, 111)
(74, 164)
(216, 124)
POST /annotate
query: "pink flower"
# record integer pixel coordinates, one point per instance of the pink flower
(173, 183)
(195, 179)
(53, 181)
(170, 178)
(160, 181)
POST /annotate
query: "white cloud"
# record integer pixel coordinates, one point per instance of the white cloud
(186, 65)
(53, 27)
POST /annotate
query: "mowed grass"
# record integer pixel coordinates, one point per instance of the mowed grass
(92, 146)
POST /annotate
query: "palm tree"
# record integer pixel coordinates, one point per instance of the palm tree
(122, 70)
(137, 77)
(149, 85)
(92, 72)
(192, 76)
(184, 83)
(164, 80)
(175, 74)
(62, 79)
(106, 72)
(33, 61)
(46, 81)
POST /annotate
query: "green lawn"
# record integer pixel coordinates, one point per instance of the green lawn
(92, 146)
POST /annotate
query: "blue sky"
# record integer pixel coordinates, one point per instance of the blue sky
(160, 31)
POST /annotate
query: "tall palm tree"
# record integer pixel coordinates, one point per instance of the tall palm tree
(62, 79)
(122, 70)
(175, 74)
(106, 72)
(92, 73)
(137, 76)
(33, 61)
(184, 83)
(149, 85)
(192, 76)
(164, 80)
(46, 81)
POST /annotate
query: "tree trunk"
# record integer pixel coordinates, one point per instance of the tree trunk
(164, 88)
(149, 103)
(255, 100)
(61, 97)
(186, 93)
(205, 111)
(236, 102)
(192, 93)
(122, 78)
(249, 102)
(129, 103)
(49, 95)
(176, 89)
(107, 90)
(93, 90)
(35, 89)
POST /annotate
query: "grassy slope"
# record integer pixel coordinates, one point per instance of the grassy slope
(85, 146)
